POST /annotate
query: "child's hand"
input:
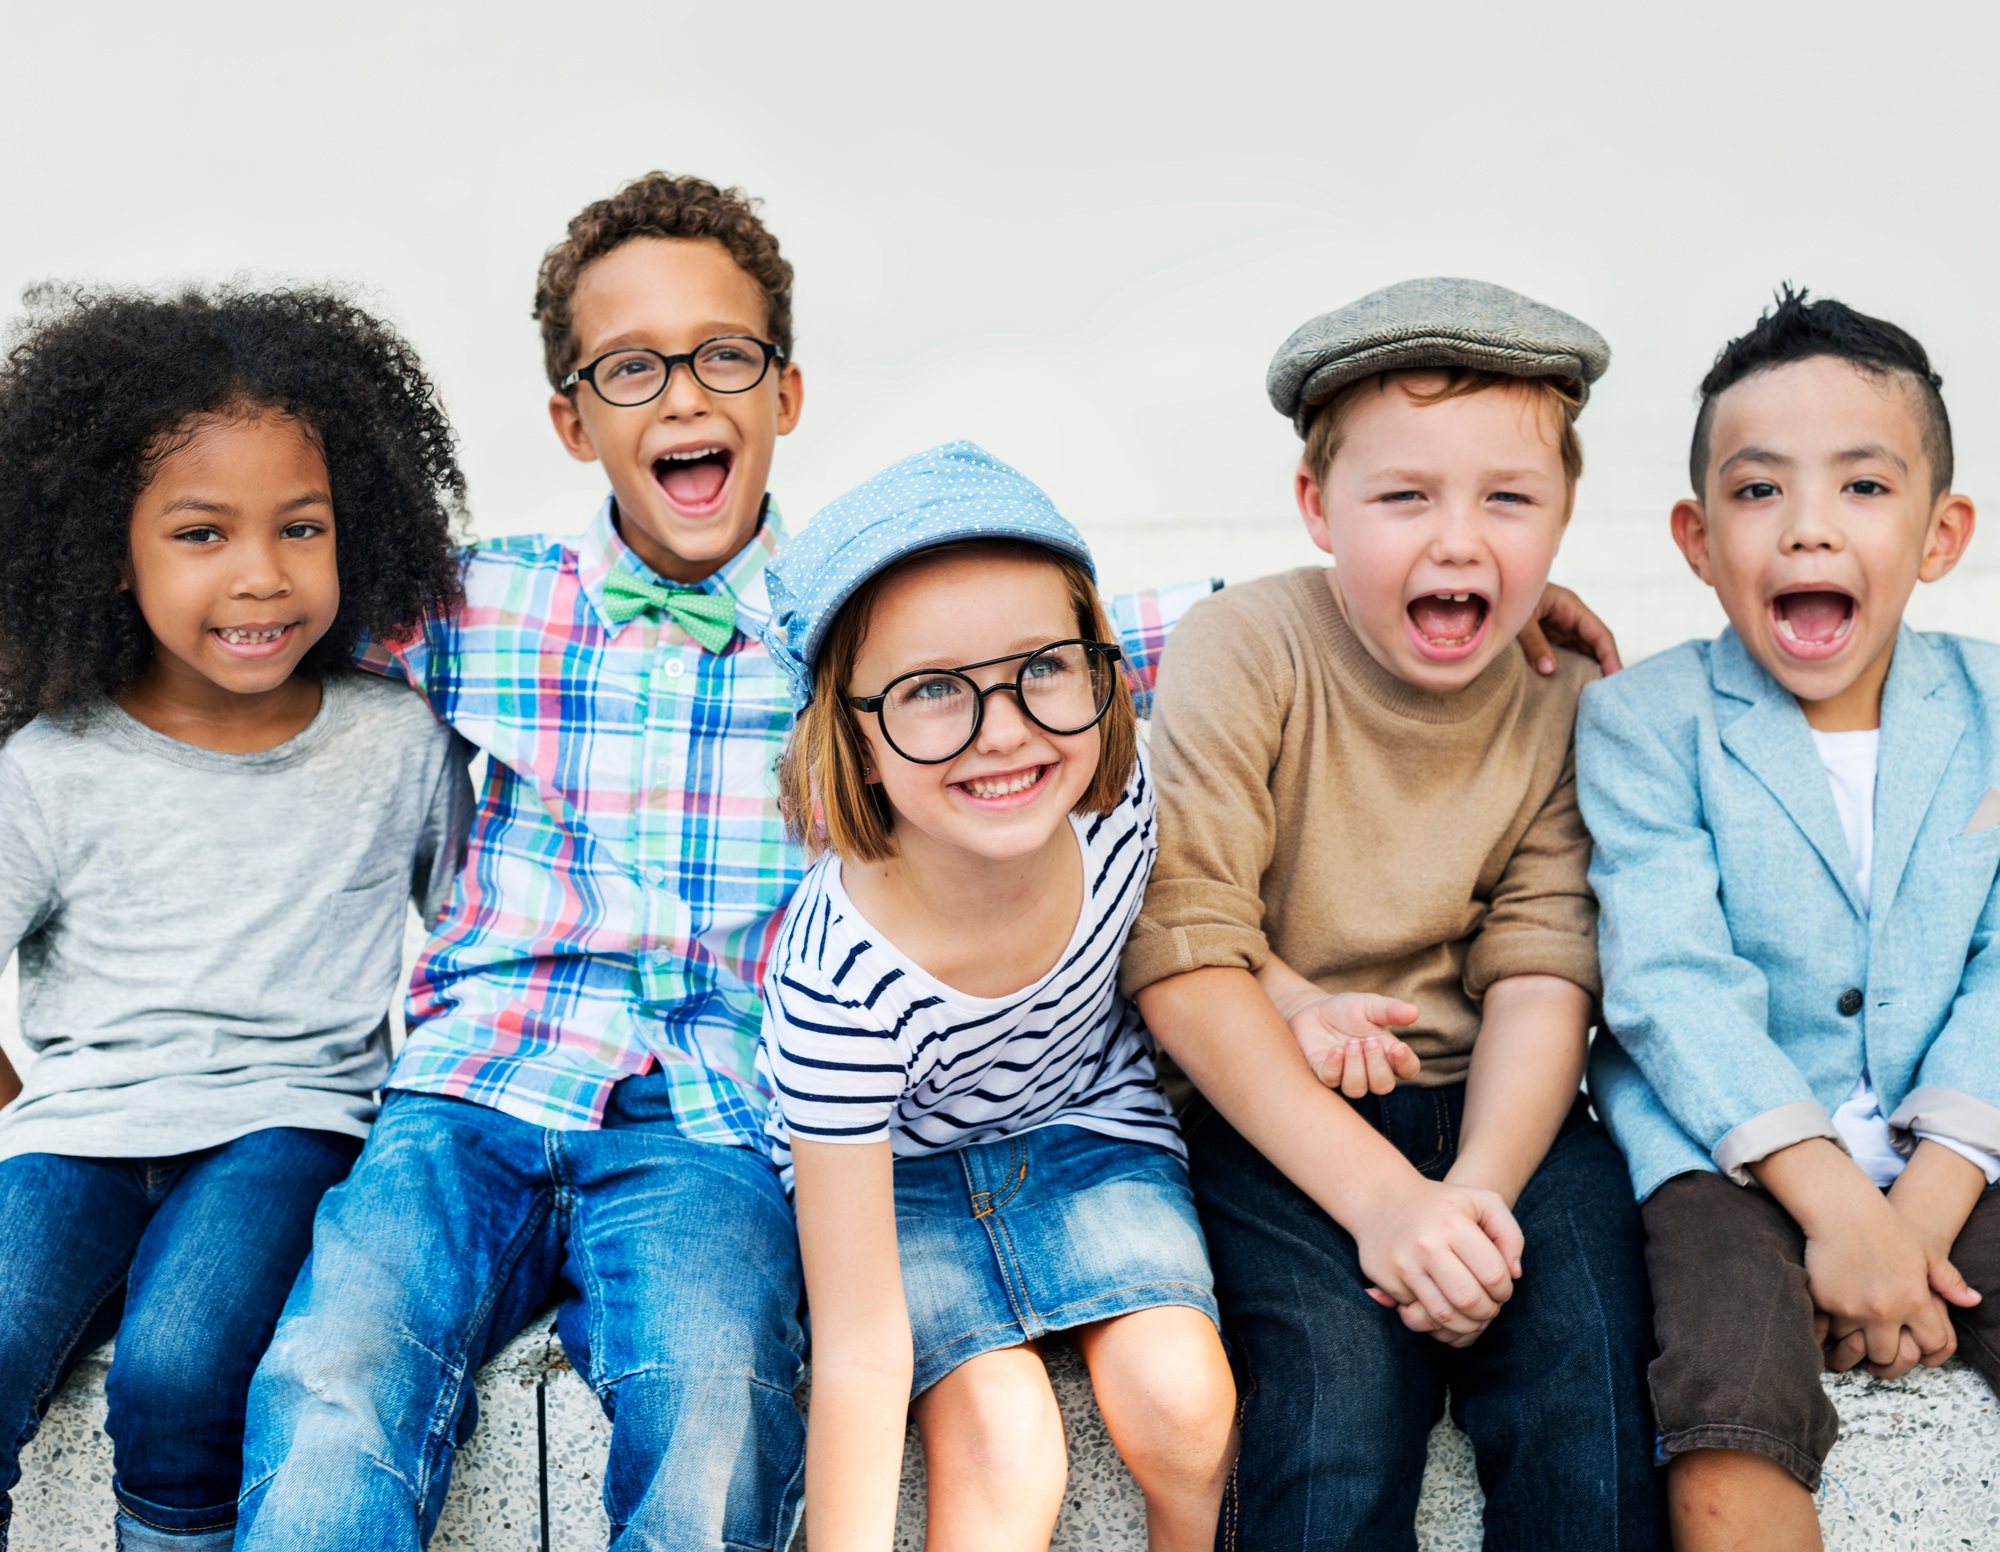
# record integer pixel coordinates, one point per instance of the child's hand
(1446, 1254)
(1347, 1041)
(1881, 1292)
(1566, 621)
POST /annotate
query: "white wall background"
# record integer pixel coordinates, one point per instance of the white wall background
(1074, 232)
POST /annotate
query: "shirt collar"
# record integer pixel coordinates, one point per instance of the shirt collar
(600, 551)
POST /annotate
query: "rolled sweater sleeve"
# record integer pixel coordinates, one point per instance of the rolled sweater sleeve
(1543, 917)
(1218, 717)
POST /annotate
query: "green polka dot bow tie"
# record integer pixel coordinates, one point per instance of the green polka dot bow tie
(710, 618)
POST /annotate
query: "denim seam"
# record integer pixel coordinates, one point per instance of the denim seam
(172, 1530)
(1112, 1294)
(968, 1336)
(1011, 1274)
(438, 1432)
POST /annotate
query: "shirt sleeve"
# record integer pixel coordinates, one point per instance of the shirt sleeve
(837, 1072)
(441, 843)
(28, 874)
(1542, 919)
(1692, 1014)
(1216, 730)
(1143, 622)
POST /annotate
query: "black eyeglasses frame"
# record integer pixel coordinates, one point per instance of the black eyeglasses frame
(873, 703)
(588, 372)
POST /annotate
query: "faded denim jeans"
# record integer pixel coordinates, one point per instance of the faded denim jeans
(678, 1267)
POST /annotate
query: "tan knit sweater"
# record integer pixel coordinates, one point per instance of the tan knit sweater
(1376, 836)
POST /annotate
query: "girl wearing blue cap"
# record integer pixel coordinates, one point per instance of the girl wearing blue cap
(981, 1150)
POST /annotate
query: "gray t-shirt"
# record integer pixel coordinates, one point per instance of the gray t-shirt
(210, 943)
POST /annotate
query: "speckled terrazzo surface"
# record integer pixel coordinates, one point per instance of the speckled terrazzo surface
(1917, 1468)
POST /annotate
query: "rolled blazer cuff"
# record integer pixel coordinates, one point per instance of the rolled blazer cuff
(1950, 1113)
(1763, 1135)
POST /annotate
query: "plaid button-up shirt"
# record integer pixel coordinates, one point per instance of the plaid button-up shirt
(627, 869)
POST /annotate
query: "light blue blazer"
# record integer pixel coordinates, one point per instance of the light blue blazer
(1744, 985)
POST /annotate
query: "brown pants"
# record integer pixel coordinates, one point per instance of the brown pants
(1739, 1368)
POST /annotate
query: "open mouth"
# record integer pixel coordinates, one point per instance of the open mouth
(1448, 626)
(1812, 622)
(253, 640)
(693, 479)
(1005, 788)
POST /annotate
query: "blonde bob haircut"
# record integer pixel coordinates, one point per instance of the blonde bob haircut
(823, 791)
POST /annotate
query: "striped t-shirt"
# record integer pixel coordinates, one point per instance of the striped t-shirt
(861, 1044)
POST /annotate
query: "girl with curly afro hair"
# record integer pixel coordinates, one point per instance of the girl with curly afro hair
(210, 834)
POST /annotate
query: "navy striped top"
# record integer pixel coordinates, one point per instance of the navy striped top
(861, 1044)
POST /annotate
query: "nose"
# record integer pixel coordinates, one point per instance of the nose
(260, 571)
(1811, 522)
(683, 398)
(1455, 539)
(1002, 723)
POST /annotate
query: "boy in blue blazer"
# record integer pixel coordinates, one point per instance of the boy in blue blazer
(1797, 828)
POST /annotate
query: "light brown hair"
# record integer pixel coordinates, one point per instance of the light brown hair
(823, 789)
(659, 205)
(1553, 400)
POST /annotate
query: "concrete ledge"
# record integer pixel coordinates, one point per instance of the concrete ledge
(1917, 1468)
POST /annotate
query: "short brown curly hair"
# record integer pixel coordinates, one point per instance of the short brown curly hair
(659, 205)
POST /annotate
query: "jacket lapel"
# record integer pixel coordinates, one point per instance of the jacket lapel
(1774, 744)
(1919, 734)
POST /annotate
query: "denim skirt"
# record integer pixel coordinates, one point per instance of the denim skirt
(1005, 1241)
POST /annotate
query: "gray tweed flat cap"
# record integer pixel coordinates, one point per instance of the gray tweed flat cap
(1432, 323)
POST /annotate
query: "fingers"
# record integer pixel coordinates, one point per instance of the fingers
(1354, 1079)
(1381, 1078)
(1948, 1285)
(1884, 1341)
(1443, 1313)
(1504, 1233)
(1404, 1062)
(1846, 1353)
(1536, 645)
(1380, 1297)
(1567, 618)
(1932, 1331)
(1907, 1357)
(1388, 1012)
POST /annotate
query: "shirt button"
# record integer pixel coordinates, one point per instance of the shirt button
(1850, 1002)
(674, 668)
(655, 875)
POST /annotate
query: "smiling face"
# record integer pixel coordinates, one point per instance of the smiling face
(232, 560)
(1442, 519)
(1816, 523)
(688, 469)
(1008, 794)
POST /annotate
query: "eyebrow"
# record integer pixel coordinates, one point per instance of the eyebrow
(315, 498)
(634, 339)
(1754, 455)
(1872, 450)
(1861, 454)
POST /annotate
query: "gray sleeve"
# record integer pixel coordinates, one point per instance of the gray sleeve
(28, 873)
(441, 844)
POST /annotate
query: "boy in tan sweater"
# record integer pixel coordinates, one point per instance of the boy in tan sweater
(1368, 819)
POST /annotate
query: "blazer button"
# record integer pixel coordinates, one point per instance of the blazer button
(1850, 1002)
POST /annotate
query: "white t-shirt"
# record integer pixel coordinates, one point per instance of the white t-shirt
(1850, 760)
(860, 1043)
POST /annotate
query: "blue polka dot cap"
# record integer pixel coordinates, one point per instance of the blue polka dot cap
(957, 491)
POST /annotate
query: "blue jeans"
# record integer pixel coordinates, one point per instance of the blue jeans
(678, 1264)
(1340, 1396)
(188, 1260)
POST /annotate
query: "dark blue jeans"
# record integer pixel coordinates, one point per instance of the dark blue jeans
(1340, 1396)
(678, 1265)
(188, 1260)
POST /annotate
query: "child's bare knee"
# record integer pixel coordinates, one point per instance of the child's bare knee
(998, 1419)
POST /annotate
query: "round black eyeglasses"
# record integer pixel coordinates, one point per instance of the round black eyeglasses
(730, 363)
(933, 714)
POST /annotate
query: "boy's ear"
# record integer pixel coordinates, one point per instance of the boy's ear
(791, 398)
(1690, 526)
(570, 429)
(1305, 486)
(1951, 528)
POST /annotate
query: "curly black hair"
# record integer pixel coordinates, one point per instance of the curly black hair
(99, 386)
